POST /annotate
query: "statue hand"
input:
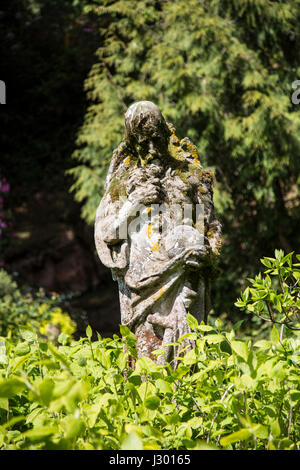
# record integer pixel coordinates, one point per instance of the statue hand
(145, 195)
(194, 258)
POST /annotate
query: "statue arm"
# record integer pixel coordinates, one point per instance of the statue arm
(111, 220)
(111, 247)
(214, 232)
(212, 226)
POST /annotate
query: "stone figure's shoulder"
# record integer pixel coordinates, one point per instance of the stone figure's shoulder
(123, 165)
(187, 164)
(182, 150)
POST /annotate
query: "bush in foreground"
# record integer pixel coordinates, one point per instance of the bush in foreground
(226, 393)
(35, 310)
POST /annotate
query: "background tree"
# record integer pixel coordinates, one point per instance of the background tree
(221, 72)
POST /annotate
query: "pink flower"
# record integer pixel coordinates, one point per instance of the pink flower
(6, 188)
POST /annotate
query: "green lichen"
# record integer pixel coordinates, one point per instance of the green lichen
(182, 175)
(117, 187)
(201, 190)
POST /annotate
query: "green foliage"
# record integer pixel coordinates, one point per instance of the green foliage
(225, 393)
(274, 296)
(7, 284)
(35, 310)
(221, 72)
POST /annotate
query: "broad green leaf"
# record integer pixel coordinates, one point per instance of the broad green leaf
(275, 428)
(22, 349)
(237, 325)
(240, 348)
(11, 386)
(46, 388)
(295, 396)
(266, 262)
(89, 331)
(203, 327)
(286, 444)
(163, 386)
(190, 336)
(27, 334)
(63, 338)
(279, 371)
(145, 364)
(132, 442)
(73, 426)
(57, 355)
(190, 357)
(262, 344)
(247, 381)
(274, 335)
(240, 303)
(40, 433)
(135, 379)
(92, 413)
(202, 445)
(125, 331)
(279, 254)
(173, 418)
(214, 339)
(240, 435)
(259, 431)
(191, 321)
(4, 403)
(147, 389)
(152, 402)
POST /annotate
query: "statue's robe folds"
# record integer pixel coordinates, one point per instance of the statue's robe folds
(157, 287)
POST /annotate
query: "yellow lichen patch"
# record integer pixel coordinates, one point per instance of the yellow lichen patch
(149, 230)
(160, 293)
(177, 153)
(155, 247)
(175, 148)
(127, 160)
(192, 149)
(182, 175)
(202, 190)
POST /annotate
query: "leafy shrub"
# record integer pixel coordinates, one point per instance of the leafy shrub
(7, 285)
(275, 296)
(35, 309)
(225, 393)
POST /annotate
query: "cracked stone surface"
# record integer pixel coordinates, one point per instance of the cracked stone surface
(163, 260)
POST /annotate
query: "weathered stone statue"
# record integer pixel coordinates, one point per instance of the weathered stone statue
(156, 229)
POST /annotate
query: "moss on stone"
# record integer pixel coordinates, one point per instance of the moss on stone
(117, 187)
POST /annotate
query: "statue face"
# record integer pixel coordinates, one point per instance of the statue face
(145, 125)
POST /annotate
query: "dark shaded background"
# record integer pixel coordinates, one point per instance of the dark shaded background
(45, 58)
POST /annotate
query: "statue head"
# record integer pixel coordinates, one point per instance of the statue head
(145, 127)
